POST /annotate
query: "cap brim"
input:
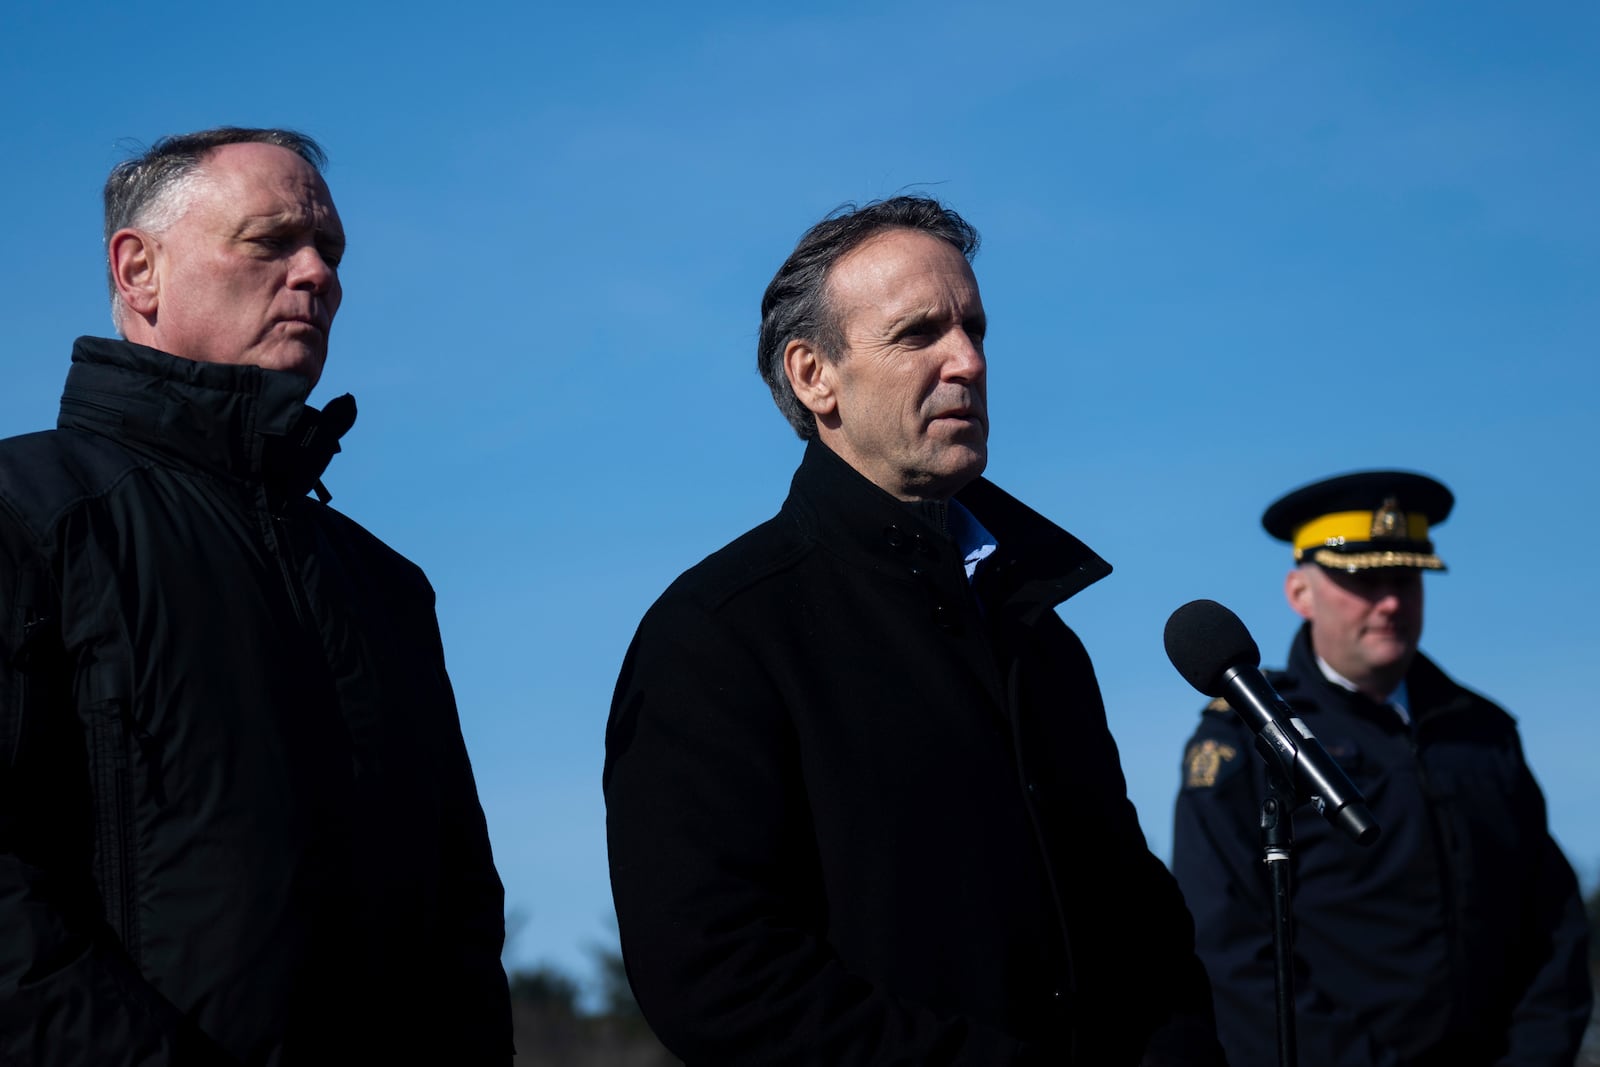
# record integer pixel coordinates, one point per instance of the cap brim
(1372, 561)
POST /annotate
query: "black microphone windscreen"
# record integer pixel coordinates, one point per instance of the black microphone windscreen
(1204, 641)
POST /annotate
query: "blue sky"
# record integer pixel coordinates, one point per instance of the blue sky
(1228, 248)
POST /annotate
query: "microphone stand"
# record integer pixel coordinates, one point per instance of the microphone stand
(1277, 850)
(1215, 653)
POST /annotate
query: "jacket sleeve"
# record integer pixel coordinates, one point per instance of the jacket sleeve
(1555, 999)
(471, 1002)
(716, 879)
(1131, 938)
(69, 995)
(1217, 860)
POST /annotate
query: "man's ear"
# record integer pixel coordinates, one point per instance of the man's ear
(1297, 591)
(811, 377)
(134, 270)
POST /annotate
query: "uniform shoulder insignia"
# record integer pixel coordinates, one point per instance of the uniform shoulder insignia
(1218, 705)
(1205, 760)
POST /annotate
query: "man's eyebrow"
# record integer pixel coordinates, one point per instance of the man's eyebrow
(289, 220)
(271, 220)
(925, 314)
(919, 313)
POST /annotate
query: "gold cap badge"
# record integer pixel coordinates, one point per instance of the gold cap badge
(1389, 522)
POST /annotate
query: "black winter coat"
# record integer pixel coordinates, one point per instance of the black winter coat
(855, 818)
(1457, 938)
(237, 822)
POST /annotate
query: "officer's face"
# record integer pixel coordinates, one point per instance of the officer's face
(1366, 624)
(906, 402)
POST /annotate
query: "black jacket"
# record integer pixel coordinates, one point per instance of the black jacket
(1457, 938)
(237, 822)
(854, 818)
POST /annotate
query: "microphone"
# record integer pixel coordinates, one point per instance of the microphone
(1214, 652)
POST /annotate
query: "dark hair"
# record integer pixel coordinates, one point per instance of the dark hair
(139, 189)
(796, 304)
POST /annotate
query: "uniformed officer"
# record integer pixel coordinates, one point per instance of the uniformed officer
(1459, 937)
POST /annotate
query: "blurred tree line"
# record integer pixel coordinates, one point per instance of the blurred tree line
(1591, 1053)
(1590, 1056)
(553, 1026)
(1593, 904)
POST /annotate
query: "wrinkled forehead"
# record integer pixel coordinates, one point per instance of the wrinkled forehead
(247, 172)
(903, 269)
(900, 248)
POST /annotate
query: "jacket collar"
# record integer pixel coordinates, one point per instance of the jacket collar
(1036, 566)
(241, 421)
(1429, 690)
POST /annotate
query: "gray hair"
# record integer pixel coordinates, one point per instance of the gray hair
(153, 190)
(796, 304)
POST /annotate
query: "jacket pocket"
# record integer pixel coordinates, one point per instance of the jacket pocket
(110, 742)
(35, 669)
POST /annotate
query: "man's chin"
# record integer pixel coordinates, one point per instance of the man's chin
(958, 468)
(304, 360)
(975, 461)
(1390, 652)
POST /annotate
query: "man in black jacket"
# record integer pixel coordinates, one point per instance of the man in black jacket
(1458, 937)
(862, 803)
(237, 821)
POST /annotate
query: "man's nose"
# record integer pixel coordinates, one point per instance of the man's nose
(309, 270)
(964, 359)
(1389, 594)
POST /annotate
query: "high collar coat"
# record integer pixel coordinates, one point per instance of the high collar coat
(861, 811)
(237, 821)
(1458, 937)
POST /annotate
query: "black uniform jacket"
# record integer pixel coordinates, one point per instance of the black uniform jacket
(1457, 938)
(237, 823)
(854, 818)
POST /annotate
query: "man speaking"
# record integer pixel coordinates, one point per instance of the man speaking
(863, 806)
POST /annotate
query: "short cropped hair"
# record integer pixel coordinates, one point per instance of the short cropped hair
(796, 303)
(152, 190)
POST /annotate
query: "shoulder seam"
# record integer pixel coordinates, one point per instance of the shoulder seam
(713, 583)
(64, 497)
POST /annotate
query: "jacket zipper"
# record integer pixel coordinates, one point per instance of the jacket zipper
(278, 545)
(1030, 804)
(1442, 847)
(114, 821)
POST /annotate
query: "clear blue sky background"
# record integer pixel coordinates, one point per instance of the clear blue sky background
(1228, 248)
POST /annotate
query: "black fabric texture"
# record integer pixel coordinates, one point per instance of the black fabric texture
(861, 811)
(1457, 938)
(237, 820)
